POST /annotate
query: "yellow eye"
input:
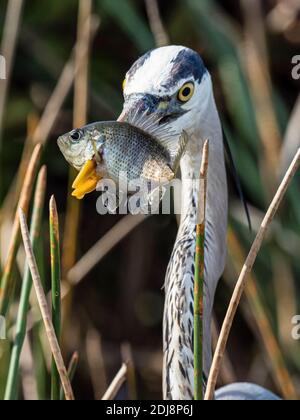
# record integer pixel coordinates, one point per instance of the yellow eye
(124, 84)
(186, 92)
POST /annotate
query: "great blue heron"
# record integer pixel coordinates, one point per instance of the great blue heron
(173, 83)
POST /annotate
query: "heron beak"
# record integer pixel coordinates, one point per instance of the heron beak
(86, 181)
(146, 105)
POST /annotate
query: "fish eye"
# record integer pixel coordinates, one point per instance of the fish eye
(76, 135)
(186, 92)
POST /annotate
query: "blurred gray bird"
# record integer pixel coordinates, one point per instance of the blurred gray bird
(173, 83)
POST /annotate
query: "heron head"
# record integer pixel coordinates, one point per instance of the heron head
(170, 82)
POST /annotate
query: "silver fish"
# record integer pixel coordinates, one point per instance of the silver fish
(111, 149)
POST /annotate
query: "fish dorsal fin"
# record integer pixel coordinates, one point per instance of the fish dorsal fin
(168, 138)
(150, 123)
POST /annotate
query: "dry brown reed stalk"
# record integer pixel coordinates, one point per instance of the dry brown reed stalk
(283, 15)
(116, 384)
(62, 89)
(55, 289)
(103, 247)
(19, 334)
(42, 301)
(47, 120)
(242, 281)
(157, 27)
(43, 129)
(80, 119)
(82, 62)
(12, 196)
(253, 57)
(255, 25)
(8, 47)
(24, 202)
(94, 256)
(127, 357)
(52, 64)
(279, 370)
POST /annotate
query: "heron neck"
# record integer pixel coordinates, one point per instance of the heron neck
(216, 212)
(178, 331)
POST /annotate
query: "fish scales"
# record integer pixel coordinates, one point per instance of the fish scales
(119, 151)
(137, 155)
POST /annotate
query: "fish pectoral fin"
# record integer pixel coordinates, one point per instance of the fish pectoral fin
(86, 181)
(155, 171)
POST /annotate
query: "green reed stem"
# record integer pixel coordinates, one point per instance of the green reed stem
(198, 312)
(199, 279)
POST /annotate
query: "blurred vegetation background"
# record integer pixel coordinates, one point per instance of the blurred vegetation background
(115, 310)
